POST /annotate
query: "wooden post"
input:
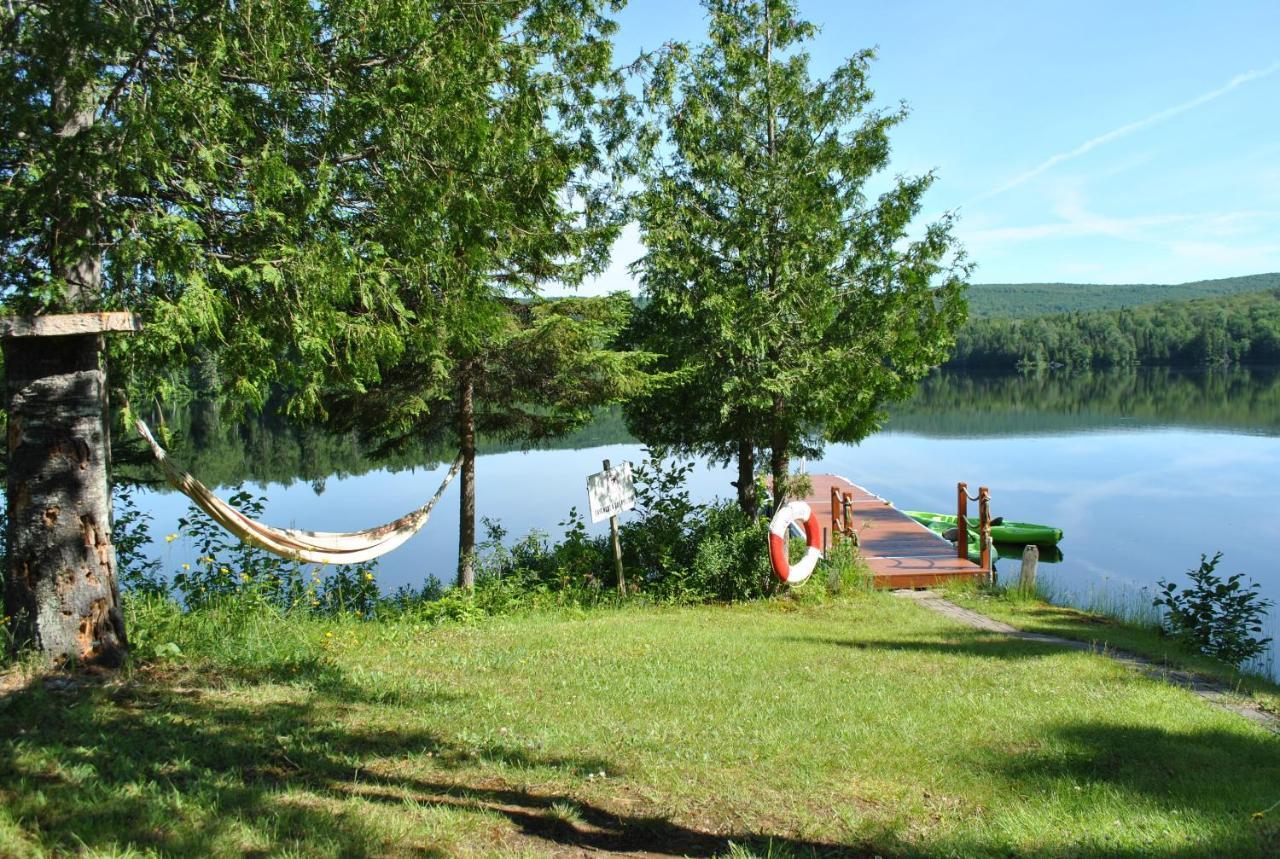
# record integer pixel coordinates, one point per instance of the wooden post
(984, 528)
(836, 528)
(962, 520)
(617, 548)
(61, 590)
(1027, 578)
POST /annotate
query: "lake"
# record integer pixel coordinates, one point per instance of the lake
(1144, 470)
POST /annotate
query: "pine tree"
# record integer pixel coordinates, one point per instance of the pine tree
(789, 306)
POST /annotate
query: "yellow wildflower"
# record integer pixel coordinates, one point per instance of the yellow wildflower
(186, 566)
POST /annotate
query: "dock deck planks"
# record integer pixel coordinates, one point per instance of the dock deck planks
(900, 551)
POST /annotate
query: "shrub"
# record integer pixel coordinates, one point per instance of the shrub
(1219, 617)
(130, 533)
(728, 556)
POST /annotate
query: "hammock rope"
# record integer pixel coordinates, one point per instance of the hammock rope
(314, 547)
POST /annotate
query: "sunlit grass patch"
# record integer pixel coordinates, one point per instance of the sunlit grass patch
(863, 724)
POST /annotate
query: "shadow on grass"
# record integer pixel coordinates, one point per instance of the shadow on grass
(181, 770)
(193, 771)
(987, 645)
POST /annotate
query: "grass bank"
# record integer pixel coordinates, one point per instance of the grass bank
(859, 726)
(1138, 634)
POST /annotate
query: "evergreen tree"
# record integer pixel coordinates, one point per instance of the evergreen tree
(536, 371)
(304, 193)
(789, 306)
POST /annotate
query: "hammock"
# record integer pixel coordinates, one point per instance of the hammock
(314, 547)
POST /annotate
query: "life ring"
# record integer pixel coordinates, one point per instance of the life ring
(796, 510)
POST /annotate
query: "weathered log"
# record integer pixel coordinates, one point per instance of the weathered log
(65, 324)
(60, 592)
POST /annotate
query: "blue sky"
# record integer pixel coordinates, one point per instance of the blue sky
(1114, 142)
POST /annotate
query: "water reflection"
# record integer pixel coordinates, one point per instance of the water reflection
(1144, 470)
(951, 404)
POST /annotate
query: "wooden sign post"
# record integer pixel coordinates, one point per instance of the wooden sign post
(60, 589)
(609, 493)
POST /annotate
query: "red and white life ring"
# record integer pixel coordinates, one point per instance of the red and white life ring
(788, 513)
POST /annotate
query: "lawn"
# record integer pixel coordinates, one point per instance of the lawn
(856, 727)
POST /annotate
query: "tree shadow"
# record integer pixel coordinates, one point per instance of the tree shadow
(986, 645)
(1211, 774)
(97, 765)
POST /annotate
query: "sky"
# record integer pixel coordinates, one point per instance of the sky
(1098, 142)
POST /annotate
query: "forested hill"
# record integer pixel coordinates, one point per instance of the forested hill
(1238, 329)
(1024, 300)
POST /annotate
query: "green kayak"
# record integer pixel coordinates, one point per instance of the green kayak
(1021, 533)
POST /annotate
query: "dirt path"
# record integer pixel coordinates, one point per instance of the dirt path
(1212, 691)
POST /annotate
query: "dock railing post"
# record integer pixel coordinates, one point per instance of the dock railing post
(984, 528)
(962, 520)
(835, 514)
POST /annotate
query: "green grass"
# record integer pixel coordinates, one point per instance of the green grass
(859, 726)
(1116, 624)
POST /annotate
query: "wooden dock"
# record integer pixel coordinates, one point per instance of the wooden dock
(900, 551)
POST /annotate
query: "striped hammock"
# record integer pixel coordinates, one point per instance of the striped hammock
(313, 547)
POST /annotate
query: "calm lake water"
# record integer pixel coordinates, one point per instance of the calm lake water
(1144, 470)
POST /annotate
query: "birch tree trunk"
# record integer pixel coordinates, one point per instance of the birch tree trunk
(61, 590)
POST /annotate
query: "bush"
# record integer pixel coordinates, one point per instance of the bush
(728, 558)
(1222, 618)
(130, 533)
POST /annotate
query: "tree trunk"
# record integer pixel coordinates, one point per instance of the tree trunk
(467, 503)
(778, 459)
(778, 462)
(746, 484)
(61, 588)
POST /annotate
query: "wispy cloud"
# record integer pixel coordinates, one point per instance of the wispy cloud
(1076, 221)
(1125, 130)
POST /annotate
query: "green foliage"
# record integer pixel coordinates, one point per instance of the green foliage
(788, 307)
(677, 550)
(130, 533)
(364, 165)
(845, 572)
(1025, 300)
(543, 369)
(1241, 329)
(729, 558)
(1216, 616)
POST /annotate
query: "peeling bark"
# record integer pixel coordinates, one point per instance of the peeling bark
(61, 591)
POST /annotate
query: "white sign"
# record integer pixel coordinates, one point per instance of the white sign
(610, 492)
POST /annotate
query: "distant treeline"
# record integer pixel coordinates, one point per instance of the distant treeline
(1238, 329)
(1025, 300)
